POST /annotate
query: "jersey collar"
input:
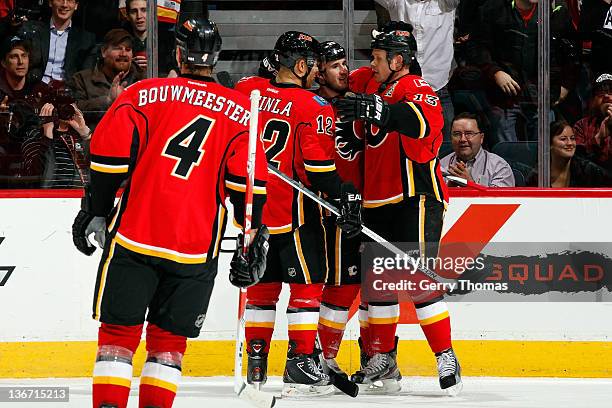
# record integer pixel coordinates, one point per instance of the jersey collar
(198, 78)
(283, 84)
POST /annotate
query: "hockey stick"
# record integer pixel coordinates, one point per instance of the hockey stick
(339, 381)
(377, 238)
(254, 396)
(463, 182)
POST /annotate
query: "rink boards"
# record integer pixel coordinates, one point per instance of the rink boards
(46, 328)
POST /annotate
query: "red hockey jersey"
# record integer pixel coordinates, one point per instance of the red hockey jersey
(183, 144)
(401, 166)
(297, 134)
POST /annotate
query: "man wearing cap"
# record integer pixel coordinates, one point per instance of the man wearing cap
(593, 131)
(96, 88)
(15, 54)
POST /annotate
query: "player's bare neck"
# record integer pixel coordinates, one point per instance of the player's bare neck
(397, 75)
(285, 76)
(196, 71)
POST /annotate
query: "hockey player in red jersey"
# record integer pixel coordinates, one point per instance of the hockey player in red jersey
(403, 183)
(298, 130)
(180, 146)
(344, 263)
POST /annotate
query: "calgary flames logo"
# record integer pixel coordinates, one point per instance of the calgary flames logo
(348, 144)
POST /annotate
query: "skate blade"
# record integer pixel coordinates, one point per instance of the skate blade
(454, 390)
(300, 391)
(381, 387)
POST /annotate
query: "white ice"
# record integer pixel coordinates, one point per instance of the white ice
(422, 392)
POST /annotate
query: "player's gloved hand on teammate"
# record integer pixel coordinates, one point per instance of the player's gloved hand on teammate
(371, 108)
(247, 271)
(350, 210)
(84, 225)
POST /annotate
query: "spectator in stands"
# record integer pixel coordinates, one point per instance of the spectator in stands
(504, 45)
(596, 26)
(593, 132)
(433, 22)
(59, 50)
(95, 89)
(136, 13)
(469, 160)
(566, 169)
(17, 102)
(57, 151)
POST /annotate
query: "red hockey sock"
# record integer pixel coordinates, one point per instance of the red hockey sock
(112, 376)
(333, 316)
(260, 313)
(382, 320)
(162, 370)
(364, 329)
(303, 315)
(435, 322)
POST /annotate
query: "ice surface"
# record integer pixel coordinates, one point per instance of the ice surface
(422, 392)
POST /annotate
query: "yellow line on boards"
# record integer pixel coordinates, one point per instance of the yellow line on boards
(499, 358)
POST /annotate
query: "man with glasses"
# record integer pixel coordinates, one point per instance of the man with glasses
(469, 160)
(593, 131)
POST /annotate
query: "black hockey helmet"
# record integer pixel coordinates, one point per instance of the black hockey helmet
(293, 45)
(396, 38)
(331, 51)
(199, 42)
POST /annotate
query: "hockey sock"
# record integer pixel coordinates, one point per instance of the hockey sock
(333, 316)
(435, 322)
(364, 329)
(303, 315)
(162, 370)
(112, 375)
(382, 321)
(260, 313)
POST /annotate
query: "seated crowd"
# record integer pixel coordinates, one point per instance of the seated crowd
(63, 64)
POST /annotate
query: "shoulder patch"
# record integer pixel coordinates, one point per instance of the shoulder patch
(320, 100)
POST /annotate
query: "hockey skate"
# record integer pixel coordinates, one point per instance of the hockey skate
(381, 374)
(257, 368)
(304, 376)
(449, 372)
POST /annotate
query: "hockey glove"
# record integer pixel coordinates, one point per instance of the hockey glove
(247, 271)
(85, 224)
(350, 210)
(371, 108)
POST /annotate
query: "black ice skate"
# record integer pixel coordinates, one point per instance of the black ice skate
(449, 372)
(381, 374)
(304, 376)
(257, 368)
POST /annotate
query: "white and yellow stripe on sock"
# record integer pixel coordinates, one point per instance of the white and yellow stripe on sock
(113, 373)
(161, 376)
(302, 319)
(388, 314)
(433, 313)
(333, 316)
(255, 317)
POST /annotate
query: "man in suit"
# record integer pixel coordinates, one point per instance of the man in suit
(58, 48)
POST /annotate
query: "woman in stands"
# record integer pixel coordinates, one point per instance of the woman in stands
(567, 170)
